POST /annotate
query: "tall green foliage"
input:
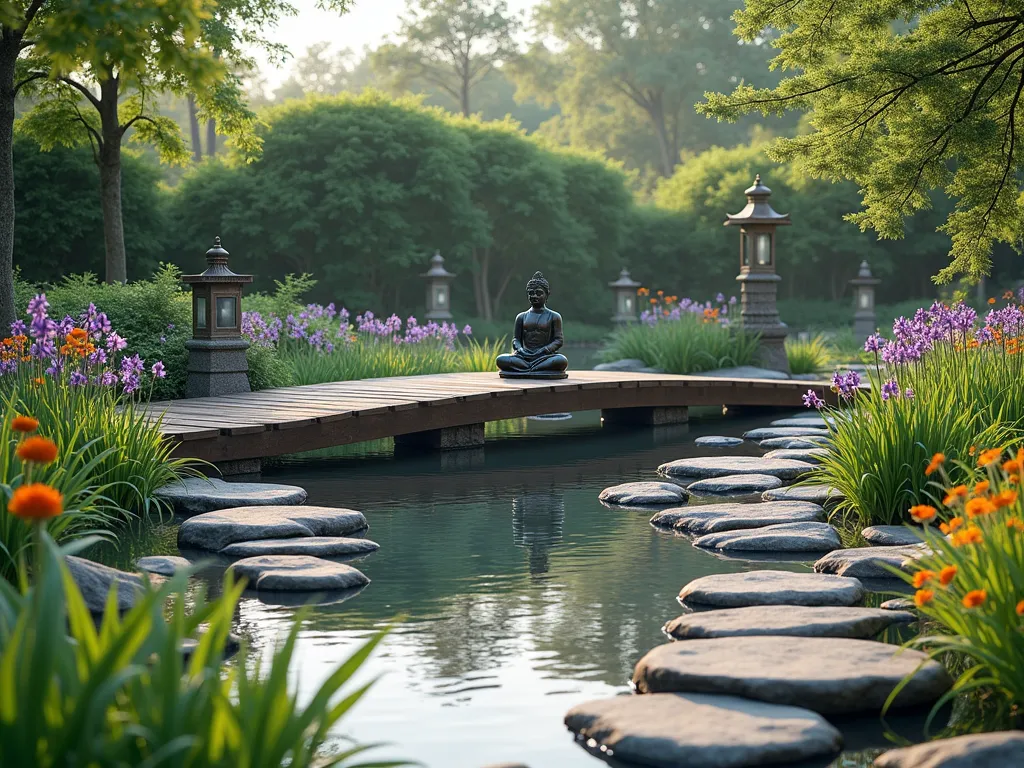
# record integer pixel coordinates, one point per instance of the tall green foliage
(904, 97)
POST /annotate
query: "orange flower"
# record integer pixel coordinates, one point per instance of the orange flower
(923, 577)
(1004, 499)
(972, 450)
(991, 301)
(922, 513)
(947, 574)
(923, 596)
(935, 463)
(954, 495)
(41, 450)
(24, 424)
(39, 381)
(989, 456)
(979, 506)
(36, 501)
(77, 336)
(980, 488)
(1007, 295)
(654, 301)
(970, 535)
(643, 291)
(1015, 522)
(1020, 608)
(974, 598)
(661, 293)
(1015, 464)
(952, 525)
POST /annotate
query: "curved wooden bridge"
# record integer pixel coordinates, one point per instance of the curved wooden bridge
(441, 411)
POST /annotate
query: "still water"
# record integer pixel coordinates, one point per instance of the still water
(512, 593)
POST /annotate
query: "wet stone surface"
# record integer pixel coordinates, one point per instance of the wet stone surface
(196, 495)
(722, 466)
(714, 518)
(785, 537)
(768, 587)
(794, 620)
(731, 485)
(643, 494)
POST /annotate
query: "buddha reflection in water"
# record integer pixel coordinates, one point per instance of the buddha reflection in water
(537, 338)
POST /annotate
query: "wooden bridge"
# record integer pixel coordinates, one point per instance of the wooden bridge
(441, 411)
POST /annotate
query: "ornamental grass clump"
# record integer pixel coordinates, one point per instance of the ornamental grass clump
(683, 336)
(946, 381)
(75, 379)
(809, 356)
(972, 583)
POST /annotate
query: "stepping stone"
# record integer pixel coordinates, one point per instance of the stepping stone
(701, 731)
(828, 675)
(898, 604)
(718, 441)
(767, 433)
(868, 562)
(816, 494)
(647, 494)
(316, 546)
(297, 573)
(733, 484)
(794, 442)
(722, 466)
(714, 518)
(818, 422)
(810, 455)
(791, 620)
(215, 530)
(1002, 749)
(94, 582)
(736, 590)
(892, 535)
(196, 495)
(163, 565)
(785, 537)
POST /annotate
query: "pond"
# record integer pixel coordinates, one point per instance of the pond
(512, 592)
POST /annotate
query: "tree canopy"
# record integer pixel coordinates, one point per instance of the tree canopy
(904, 97)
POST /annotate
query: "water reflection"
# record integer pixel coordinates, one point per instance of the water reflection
(537, 520)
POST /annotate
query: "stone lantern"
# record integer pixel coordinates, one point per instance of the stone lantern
(758, 279)
(216, 351)
(625, 298)
(864, 321)
(439, 289)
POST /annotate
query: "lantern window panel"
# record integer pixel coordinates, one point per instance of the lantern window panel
(227, 314)
(200, 309)
(764, 249)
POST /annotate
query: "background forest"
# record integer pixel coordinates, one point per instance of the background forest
(566, 142)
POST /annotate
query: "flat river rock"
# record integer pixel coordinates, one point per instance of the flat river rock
(868, 562)
(892, 535)
(767, 587)
(643, 494)
(818, 494)
(215, 530)
(298, 573)
(317, 546)
(767, 433)
(793, 620)
(733, 485)
(718, 441)
(810, 455)
(196, 495)
(721, 466)
(828, 675)
(785, 537)
(714, 518)
(1002, 749)
(702, 731)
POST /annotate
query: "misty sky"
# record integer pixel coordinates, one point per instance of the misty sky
(366, 24)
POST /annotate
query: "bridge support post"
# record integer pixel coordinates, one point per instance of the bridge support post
(445, 439)
(654, 416)
(238, 467)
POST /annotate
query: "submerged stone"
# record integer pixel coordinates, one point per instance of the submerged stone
(721, 466)
(767, 433)
(785, 537)
(810, 455)
(790, 620)
(794, 442)
(828, 675)
(702, 731)
(733, 484)
(297, 573)
(767, 587)
(714, 518)
(317, 546)
(215, 530)
(643, 494)
(196, 495)
(162, 565)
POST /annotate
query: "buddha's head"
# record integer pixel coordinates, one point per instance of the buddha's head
(538, 290)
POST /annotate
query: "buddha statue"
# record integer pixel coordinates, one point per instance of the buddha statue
(537, 338)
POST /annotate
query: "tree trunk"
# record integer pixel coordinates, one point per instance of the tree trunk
(669, 156)
(110, 183)
(193, 121)
(8, 56)
(211, 137)
(465, 97)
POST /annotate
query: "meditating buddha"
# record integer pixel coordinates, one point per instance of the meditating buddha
(537, 338)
